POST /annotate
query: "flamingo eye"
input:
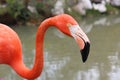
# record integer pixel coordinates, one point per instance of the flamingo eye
(69, 25)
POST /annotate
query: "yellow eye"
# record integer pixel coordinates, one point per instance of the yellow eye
(69, 25)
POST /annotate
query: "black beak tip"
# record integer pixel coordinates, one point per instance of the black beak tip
(85, 52)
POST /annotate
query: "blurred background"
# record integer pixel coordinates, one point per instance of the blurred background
(34, 11)
(100, 20)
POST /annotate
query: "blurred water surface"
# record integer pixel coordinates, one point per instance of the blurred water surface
(62, 59)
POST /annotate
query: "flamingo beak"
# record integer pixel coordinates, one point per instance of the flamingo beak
(82, 40)
(85, 51)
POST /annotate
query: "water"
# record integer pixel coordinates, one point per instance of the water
(62, 59)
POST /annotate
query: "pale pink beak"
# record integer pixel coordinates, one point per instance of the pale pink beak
(82, 40)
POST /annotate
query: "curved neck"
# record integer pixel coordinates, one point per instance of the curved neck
(19, 66)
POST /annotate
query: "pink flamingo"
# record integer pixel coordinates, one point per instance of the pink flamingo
(11, 48)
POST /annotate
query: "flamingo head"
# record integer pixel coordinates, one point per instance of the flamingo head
(70, 27)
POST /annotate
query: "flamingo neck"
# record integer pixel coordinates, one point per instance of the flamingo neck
(19, 66)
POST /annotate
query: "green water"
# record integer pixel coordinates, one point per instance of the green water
(62, 59)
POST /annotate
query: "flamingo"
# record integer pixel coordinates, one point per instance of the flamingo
(11, 48)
